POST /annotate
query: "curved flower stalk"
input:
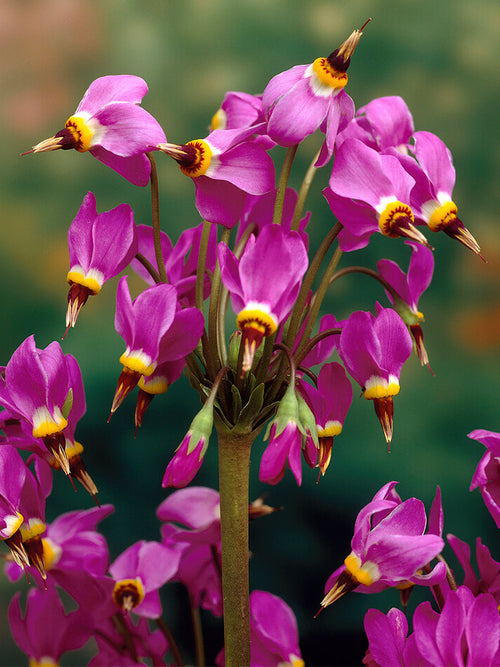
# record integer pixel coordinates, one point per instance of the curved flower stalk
(389, 547)
(263, 283)
(407, 288)
(110, 124)
(224, 168)
(310, 97)
(370, 192)
(374, 350)
(101, 245)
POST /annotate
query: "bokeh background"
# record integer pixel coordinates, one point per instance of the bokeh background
(442, 58)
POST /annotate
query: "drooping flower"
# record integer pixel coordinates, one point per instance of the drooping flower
(407, 288)
(139, 572)
(36, 389)
(224, 168)
(431, 197)
(374, 350)
(263, 283)
(157, 383)
(310, 97)
(329, 404)
(274, 636)
(46, 632)
(370, 192)
(487, 474)
(110, 124)
(197, 509)
(154, 330)
(389, 546)
(101, 245)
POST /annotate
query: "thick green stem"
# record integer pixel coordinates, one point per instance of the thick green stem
(234, 463)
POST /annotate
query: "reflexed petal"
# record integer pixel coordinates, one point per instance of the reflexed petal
(113, 88)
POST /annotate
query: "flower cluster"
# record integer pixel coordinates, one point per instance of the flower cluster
(252, 250)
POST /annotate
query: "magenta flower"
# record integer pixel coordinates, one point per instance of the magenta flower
(110, 124)
(224, 168)
(188, 456)
(198, 509)
(100, 246)
(181, 260)
(157, 383)
(35, 389)
(489, 569)
(284, 447)
(13, 473)
(389, 547)
(263, 283)
(374, 350)
(310, 97)
(139, 572)
(465, 632)
(487, 474)
(431, 197)
(274, 636)
(383, 124)
(370, 192)
(154, 331)
(46, 632)
(386, 635)
(242, 111)
(407, 288)
(329, 403)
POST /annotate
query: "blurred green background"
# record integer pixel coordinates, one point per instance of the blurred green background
(442, 58)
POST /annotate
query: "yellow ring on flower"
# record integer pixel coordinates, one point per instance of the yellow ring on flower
(91, 283)
(327, 75)
(442, 216)
(393, 211)
(33, 528)
(203, 158)
(364, 574)
(80, 131)
(257, 319)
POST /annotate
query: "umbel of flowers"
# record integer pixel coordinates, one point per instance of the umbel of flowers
(281, 366)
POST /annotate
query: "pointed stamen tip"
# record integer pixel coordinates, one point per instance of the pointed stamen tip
(365, 24)
(318, 612)
(27, 152)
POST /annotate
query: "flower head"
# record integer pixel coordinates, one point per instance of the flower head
(100, 246)
(487, 474)
(110, 124)
(374, 350)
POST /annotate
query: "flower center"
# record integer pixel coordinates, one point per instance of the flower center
(128, 593)
(328, 75)
(391, 217)
(378, 387)
(198, 158)
(365, 574)
(443, 216)
(80, 133)
(45, 424)
(138, 361)
(92, 280)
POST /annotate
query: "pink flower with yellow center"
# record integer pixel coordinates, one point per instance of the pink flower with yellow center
(110, 124)
(263, 283)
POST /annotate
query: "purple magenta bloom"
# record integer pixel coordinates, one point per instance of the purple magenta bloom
(35, 389)
(282, 448)
(154, 331)
(139, 572)
(186, 461)
(386, 637)
(274, 636)
(46, 632)
(385, 123)
(13, 473)
(487, 474)
(329, 403)
(100, 246)
(224, 168)
(374, 350)
(197, 508)
(407, 288)
(110, 124)
(263, 283)
(181, 260)
(465, 632)
(310, 97)
(431, 197)
(259, 212)
(489, 569)
(370, 192)
(389, 547)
